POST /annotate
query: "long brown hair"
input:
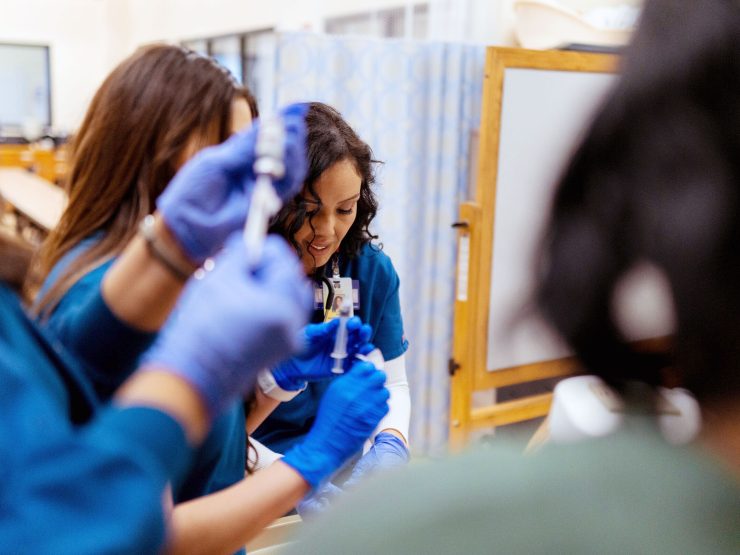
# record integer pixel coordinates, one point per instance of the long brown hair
(138, 129)
(15, 259)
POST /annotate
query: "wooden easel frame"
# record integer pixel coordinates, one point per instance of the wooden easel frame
(468, 364)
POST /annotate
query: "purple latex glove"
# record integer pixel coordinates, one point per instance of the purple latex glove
(235, 322)
(314, 361)
(387, 452)
(352, 406)
(317, 502)
(207, 199)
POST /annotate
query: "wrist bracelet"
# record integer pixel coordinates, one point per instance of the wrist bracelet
(162, 253)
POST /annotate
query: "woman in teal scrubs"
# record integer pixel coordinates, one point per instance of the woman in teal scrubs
(82, 477)
(656, 180)
(328, 225)
(157, 110)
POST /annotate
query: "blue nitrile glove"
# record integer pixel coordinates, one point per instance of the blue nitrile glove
(318, 501)
(235, 322)
(208, 198)
(352, 406)
(313, 362)
(387, 452)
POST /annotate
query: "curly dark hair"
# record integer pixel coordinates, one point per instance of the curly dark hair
(330, 140)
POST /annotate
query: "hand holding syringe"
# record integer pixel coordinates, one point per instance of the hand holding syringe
(326, 348)
(264, 203)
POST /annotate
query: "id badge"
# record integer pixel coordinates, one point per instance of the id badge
(343, 291)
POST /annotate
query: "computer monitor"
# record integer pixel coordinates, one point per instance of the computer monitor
(25, 94)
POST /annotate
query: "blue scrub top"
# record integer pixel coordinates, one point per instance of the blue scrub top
(93, 488)
(380, 307)
(109, 350)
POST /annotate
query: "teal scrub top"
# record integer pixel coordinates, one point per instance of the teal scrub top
(381, 308)
(70, 487)
(109, 351)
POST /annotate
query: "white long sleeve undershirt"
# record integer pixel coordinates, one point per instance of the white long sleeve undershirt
(399, 404)
(265, 455)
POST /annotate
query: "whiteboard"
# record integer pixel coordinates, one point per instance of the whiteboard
(543, 114)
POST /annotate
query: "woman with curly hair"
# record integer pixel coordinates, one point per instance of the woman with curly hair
(328, 225)
(656, 179)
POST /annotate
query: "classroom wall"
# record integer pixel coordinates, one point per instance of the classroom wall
(89, 37)
(175, 20)
(69, 27)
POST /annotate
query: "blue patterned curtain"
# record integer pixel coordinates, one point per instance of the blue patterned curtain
(417, 105)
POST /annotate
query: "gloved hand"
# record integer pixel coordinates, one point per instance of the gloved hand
(317, 502)
(352, 406)
(235, 322)
(313, 362)
(208, 198)
(387, 452)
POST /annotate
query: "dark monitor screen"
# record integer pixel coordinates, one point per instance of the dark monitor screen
(25, 86)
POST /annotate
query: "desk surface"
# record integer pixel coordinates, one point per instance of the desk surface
(38, 199)
(276, 537)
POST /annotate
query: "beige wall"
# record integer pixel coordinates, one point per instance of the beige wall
(176, 20)
(78, 47)
(88, 37)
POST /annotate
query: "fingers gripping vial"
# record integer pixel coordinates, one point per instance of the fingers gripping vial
(265, 203)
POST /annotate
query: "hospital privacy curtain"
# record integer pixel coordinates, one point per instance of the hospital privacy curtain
(417, 104)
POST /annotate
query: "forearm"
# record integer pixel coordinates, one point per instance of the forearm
(139, 289)
(396, 421)
(260, 410)
(223, 522)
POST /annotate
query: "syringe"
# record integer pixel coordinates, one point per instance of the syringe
(340, 343)
(264, 202)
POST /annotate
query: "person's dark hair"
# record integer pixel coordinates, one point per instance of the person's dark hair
(657, 179)
(150, 111)
(330, 139)
(15, 260)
